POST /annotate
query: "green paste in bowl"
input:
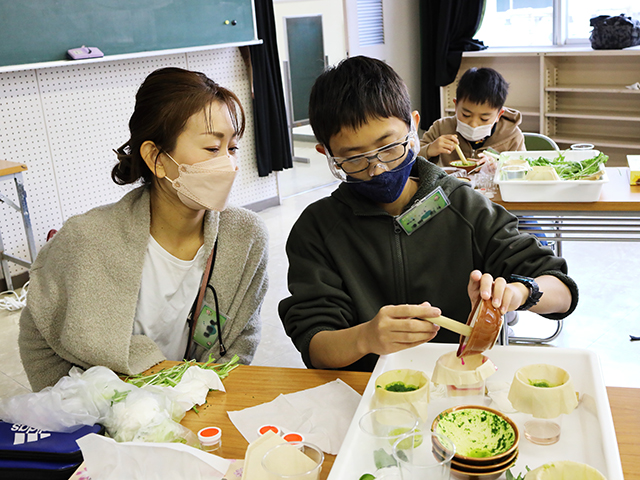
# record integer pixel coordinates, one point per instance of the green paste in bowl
(477, 433)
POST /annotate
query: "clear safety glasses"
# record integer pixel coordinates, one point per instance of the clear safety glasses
(390, 155)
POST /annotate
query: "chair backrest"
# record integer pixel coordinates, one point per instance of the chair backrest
(537, 141)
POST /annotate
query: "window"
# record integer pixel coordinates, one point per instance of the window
(579, 12)
(517, 23)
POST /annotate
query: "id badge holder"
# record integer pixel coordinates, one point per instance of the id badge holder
(206, 331)
(423, 211)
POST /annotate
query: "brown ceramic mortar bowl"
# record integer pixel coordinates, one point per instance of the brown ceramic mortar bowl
(485, 321)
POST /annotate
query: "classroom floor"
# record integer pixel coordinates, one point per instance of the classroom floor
(606, 315)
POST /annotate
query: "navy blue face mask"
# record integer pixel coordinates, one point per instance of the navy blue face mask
(386, 187)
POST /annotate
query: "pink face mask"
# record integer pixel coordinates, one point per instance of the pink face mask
(205, 185)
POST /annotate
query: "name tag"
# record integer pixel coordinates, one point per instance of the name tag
(423, 211)
(206, 332)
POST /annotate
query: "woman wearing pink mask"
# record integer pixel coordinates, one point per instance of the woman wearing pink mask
(127, 285)
(481, 121)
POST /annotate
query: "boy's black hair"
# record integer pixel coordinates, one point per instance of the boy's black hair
(353, 92)
(483, 85)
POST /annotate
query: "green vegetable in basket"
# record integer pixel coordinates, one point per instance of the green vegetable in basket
(571, 170)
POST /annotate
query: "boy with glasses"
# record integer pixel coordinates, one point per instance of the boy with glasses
(399, 241)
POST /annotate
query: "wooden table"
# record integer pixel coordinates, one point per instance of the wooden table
(614, 217)
(626, 419)
(248, 386)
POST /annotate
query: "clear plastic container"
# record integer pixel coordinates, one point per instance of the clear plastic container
(582, 146)
(210, 439)
(466, 390)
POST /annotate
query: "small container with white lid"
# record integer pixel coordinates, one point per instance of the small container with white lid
(210, 439)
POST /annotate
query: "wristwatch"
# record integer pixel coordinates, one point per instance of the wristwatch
(534, 291)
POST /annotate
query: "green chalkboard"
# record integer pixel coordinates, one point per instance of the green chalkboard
(306, 60)
(34, 31)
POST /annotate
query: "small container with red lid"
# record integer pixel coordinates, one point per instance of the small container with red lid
(293, 437)
(210, 439)
(265, 428)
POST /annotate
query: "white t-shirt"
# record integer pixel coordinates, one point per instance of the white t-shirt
(168, 289)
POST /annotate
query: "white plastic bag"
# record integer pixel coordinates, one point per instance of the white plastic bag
(82, 398)
(129, 413)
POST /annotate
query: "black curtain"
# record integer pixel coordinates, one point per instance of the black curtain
(273, 148)
(447, 28)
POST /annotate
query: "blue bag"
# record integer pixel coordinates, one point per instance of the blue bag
(33, 454)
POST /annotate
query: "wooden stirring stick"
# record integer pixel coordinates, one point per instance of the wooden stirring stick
(463, 159)
(451, 324)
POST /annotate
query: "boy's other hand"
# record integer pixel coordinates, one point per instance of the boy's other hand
(503, 295)
(397, 327)
(442, 144)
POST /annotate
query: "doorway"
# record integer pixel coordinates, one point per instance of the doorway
(314, 173)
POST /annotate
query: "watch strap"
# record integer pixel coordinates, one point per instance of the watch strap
(534, 291)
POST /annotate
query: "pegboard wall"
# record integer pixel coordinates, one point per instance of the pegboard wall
(64, 122)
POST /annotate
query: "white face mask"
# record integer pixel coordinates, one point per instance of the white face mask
(205, 185)
(473, 134)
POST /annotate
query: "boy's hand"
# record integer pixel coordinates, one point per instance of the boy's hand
(507, 296)
(442, 144)
(397, 327)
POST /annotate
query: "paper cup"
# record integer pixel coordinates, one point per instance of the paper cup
(416, 401)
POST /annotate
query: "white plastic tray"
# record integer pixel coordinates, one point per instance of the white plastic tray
(550, 191)
(588, 434)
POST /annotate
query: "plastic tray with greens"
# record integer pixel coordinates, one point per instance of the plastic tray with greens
(587, 169)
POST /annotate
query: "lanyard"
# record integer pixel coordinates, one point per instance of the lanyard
(197, 305)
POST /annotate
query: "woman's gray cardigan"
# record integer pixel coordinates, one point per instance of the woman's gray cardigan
(84, 288)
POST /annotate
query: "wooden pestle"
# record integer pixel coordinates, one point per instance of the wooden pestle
(463, 159)
(451, 324)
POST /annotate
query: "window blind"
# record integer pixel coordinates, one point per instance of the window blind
(370, 23)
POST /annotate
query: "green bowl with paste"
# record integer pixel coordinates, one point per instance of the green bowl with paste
(482, 435)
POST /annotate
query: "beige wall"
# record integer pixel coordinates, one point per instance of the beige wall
(333, 29)
(402, 37)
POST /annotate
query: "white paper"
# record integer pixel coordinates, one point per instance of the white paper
(321, 414)
(107, 459)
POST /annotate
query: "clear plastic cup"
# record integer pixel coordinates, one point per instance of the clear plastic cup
(424, 455)
(293, 461)
(543, 431)
(382, 427)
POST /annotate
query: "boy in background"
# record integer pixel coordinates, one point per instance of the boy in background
(399, 241)
(480, 121)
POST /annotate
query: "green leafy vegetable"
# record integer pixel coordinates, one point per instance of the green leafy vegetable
(400, 387)
(541, 383)
(382, 459)
(170, 377)
(571, 170)
(520, 476)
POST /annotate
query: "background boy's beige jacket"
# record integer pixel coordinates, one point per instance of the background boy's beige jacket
(506, 138)
(84, 289)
